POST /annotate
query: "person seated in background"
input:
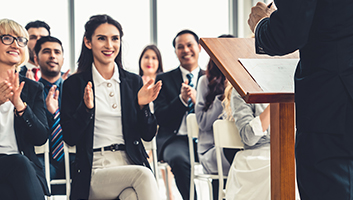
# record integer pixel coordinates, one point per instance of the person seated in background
(209, 108)
(175, 101)
(23, 122)
(150, 64)
(49, 57)
(105, 113)
(36, 30)
(249, 174)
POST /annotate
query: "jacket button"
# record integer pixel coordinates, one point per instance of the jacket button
(136, 142)
(175, 131)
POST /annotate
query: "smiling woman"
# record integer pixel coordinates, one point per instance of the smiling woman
(105, 113)
(22, 113)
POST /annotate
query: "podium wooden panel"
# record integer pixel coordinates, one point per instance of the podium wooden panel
(225, 53)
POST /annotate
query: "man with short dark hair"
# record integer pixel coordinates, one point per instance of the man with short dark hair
(49, 56)
(36, 30)
(174, 103)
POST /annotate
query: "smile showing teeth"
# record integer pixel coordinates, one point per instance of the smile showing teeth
(187, 56)
(13, 52)
(108, 53)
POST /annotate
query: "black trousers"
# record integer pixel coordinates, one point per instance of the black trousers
(324, 166)
(18, 179)
(176, 154)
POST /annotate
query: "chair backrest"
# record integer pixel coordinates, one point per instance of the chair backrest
(193, 132)
(226, 135)
(44, 149)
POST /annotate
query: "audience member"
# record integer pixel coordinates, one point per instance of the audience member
(209, 108)
(175, 101)
(150, 64)
(23, 123)
(36, 30)
(102, 97)
(249, 175)
(49, 56)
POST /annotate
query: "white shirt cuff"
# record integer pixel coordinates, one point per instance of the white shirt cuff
(257, 126)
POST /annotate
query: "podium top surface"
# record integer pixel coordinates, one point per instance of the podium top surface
(225, 53)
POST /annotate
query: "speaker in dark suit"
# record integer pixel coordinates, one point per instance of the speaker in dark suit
(174, 102)
(323, 87)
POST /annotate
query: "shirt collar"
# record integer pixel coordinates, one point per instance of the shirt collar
(98, 78)
(46, 83)
(30, 66)
(195, 72)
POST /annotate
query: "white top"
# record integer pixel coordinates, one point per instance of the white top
(8, 144)
(184, 72)
(107, 126)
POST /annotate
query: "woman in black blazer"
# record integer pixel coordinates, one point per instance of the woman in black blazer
(105, 113)
(23, 123)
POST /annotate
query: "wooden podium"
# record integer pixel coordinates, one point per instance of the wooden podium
(225, 53)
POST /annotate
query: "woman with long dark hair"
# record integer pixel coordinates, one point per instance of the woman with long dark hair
(150, 63)
(208, 108)
(105, 113)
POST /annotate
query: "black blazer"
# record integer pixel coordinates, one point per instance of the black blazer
(31, 128)
(168, 108)
(322, 31)
(78, 125)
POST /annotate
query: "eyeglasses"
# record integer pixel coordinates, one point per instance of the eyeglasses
(9, 39)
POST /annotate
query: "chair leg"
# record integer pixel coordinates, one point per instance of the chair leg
(209, 183)
(166, 182)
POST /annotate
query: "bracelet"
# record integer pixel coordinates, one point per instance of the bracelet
(17, 113)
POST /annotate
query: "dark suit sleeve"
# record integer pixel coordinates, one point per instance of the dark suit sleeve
(169, 109)
(287, 29)
(146, 121)
(34, 118)
(75, 116)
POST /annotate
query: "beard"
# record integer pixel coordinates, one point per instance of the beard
(49, 73)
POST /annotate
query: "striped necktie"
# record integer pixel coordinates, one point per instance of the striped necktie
(56, 137)
(190, 103)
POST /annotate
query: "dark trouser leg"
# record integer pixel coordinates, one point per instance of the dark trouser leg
(324, 166)
(176, 154)
(18, 174)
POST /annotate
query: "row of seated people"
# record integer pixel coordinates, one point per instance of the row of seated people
(102, 105)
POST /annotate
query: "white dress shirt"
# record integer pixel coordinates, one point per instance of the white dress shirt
(107, 124)
(8, 144)
(184, 72)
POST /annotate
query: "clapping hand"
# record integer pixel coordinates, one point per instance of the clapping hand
(148, 92)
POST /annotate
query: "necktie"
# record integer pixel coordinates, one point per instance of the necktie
(190, 103)
(35, 72)
(56, 138)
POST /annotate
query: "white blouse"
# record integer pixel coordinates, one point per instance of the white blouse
(108, 124)
(8, 144)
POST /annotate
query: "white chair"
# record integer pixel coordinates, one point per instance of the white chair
(44, 149)
(193, 132)
(226, 135)
(152, 146)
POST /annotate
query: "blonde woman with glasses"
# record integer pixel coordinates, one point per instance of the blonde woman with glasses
(23, 122)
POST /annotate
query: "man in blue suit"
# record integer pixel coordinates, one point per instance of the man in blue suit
(322, 30)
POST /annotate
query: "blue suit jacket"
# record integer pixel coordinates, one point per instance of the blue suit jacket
(322, 31)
